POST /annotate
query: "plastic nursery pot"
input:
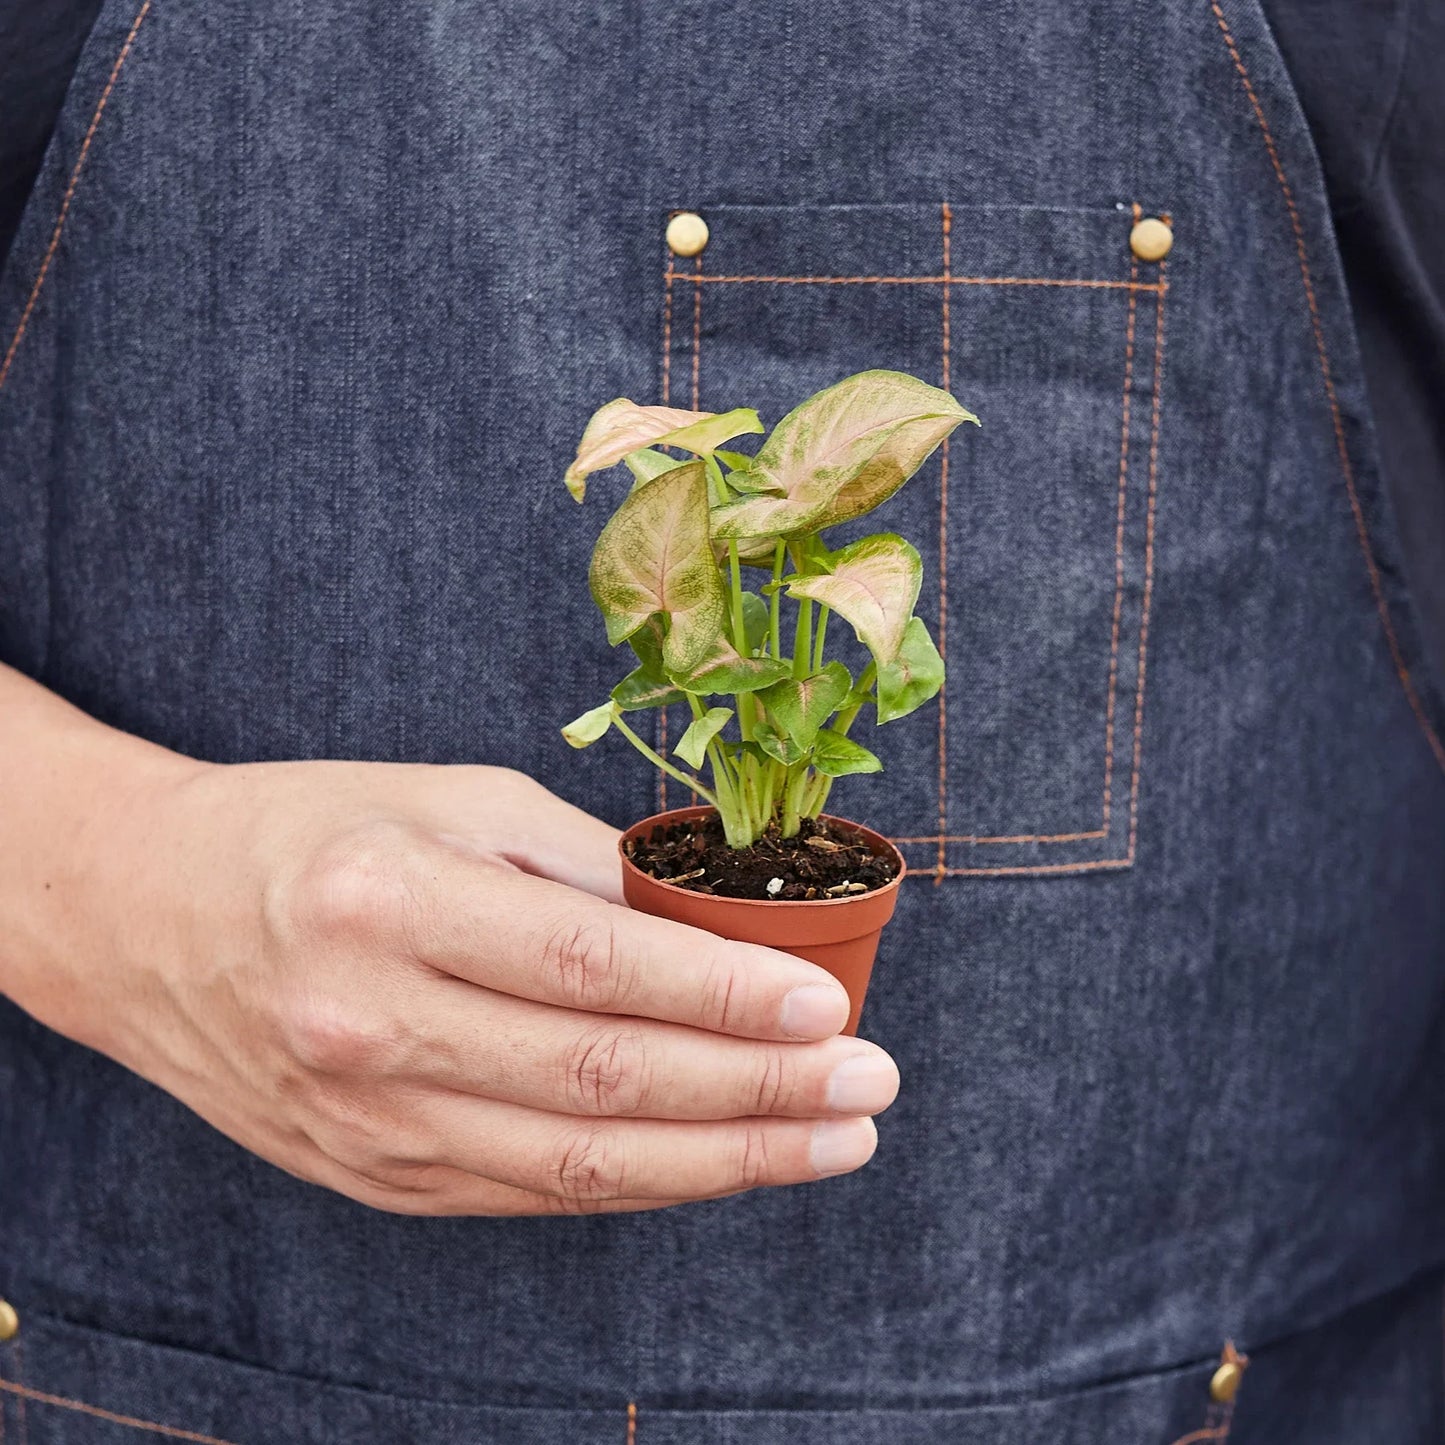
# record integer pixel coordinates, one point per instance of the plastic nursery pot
(838, 934)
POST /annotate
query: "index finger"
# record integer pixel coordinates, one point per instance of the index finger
(530, 937)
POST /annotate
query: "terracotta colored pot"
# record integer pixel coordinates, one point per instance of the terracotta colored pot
(839, 934)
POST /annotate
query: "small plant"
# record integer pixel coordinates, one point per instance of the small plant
(667, 576)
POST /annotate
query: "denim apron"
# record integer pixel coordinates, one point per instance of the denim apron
(307, 309)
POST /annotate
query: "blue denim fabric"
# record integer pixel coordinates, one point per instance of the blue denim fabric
(280, 450)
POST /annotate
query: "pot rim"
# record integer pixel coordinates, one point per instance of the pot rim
(889, 846)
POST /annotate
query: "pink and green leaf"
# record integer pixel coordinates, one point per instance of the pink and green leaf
(839, 454)
(654, 557)
(873, 584)
(800, 706)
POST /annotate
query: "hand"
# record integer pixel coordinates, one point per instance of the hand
(415, 985)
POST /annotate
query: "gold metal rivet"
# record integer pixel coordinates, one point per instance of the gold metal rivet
(1151, 239)
(686, 234)
(1224, 1386)
(9, 1321)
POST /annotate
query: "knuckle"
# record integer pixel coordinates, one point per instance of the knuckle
(776, 1084)
(724, 997)
(754, 1164)
(331, 1038)
(358, 887)
(607, 1071)
(588, 1167)
(583, 957)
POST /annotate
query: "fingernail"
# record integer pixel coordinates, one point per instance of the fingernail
(842, 1144)
(814, 1011)
(864, 1084)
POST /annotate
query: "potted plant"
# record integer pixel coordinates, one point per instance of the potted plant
(772, 713)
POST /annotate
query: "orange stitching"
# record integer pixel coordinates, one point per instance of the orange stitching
(1128, 858)
(1013, 838)
(632, 1423)
(69, 196)
(696, 336)
(942, 859)
(668, 276)
(23, 1392)
(1102, 831)
(1209, 1432)
(1341, 446)
(20, 1401)
(926, 281)
(1119, 555)
(667, 333)
(1093, 865)
(1148, 562)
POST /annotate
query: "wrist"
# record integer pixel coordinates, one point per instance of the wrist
(87, 823)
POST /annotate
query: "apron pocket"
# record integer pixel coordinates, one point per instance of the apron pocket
(87, 1387)
(1037, 530)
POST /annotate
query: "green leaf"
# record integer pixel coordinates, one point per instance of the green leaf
(840, 454)
(777, 744)
(703, 437)
(757, 620)
(800, 706)
(734, 461)
(692, 745)
(643, 688)
(836, 756)
(725, 670)
(873, 584)
(647, 464)
(654, 557)
(621, 427)
(590, 726)
(913, 677)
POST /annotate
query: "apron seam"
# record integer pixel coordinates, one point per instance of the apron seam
(1347, 468)
(73, 185)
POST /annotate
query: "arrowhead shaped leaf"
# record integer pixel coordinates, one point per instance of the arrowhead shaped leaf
(734, 461)
(835, 756)
(653, 557)
(590, 726)
(800, 706)
(726, 670)
(647, 464)
(618, 428)
(756, 620)
(913, 677)
(873, 584)
(840, 454)
(643, 688)
(705, 436)
(777, 744)
(692, 745)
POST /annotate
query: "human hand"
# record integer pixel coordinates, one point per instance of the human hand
(416, 985)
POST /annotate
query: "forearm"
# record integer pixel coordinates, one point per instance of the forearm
(68, 784)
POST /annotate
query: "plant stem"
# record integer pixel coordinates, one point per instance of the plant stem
(792, 801)
(779, 551)
(656, 758)
(803, 638)
(816, 795)
(860, 691)
(823, 611)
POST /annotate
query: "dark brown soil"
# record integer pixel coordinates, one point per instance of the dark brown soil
(825, 860)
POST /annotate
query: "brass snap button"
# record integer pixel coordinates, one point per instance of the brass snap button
(686, 234)
(1151, 239)
(9, 1321)
(1224, 1383)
